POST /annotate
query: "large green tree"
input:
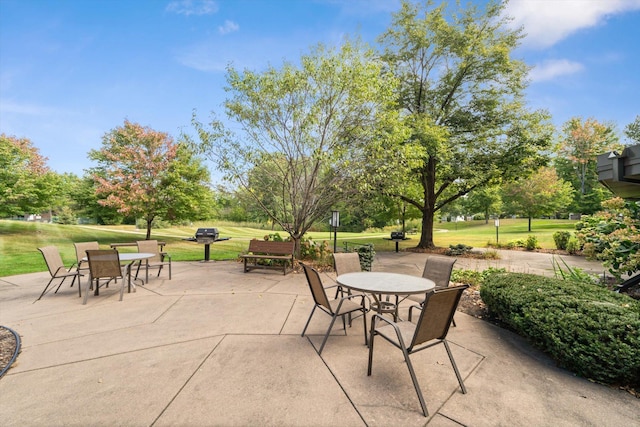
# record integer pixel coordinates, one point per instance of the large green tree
(144, 173)
(300, 131)
(27, 185)
(461, 95)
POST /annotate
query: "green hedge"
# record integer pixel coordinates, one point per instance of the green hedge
(585, 328)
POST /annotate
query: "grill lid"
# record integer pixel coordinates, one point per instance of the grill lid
(207, 232)
(397, 235)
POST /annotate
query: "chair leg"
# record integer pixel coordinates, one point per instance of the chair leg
(308, 320)
(326, 336)
(61, 282)
(415, 382)
(455, 367)
(79, 285)
(45, 289)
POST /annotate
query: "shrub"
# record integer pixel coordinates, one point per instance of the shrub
(613, 236)
(573, 245)
(366, 254)
(473, 277)
(310, 249)
(587, 329)
(561, 238)
(531, 243)
(459, 249)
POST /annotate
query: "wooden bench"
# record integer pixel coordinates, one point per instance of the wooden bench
(260, 250)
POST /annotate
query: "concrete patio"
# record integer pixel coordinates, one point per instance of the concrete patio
(218, 347)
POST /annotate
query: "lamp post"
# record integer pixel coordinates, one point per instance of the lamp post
(335, 223)
(497, 223)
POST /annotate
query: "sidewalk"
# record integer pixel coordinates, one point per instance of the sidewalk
(216, 347)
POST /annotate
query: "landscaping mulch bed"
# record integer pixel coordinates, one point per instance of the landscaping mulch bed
(8, 348)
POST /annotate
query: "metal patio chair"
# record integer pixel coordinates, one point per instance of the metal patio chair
(430, 330)
(158, 261)
(438, 269)
(57, 270)
(104, 264)
(334, 308)
(81, 254)
(345, 262)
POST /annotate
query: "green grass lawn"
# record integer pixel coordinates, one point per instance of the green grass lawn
(19, 240)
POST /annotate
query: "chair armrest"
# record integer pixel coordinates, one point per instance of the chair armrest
(419, 307)
(363, 296)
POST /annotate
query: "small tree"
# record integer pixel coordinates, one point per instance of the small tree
(301, 131)
(579, 146)
(144, 173)
(541, 194)
(486, 200)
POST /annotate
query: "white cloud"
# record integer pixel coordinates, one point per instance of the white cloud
(548, 21)
(228, 27)
(551, 69)
(192, 7)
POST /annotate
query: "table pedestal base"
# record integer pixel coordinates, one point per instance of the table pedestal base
(387, 307)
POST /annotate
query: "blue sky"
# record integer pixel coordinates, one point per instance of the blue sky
(72, 70)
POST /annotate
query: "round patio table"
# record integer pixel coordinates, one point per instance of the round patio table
(381, 283)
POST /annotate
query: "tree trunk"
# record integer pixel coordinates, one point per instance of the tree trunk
(426, 236)
(149, 222)
(529, 223)
(428, 210)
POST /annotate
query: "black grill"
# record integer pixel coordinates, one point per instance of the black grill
(397, 235)
(206, 235)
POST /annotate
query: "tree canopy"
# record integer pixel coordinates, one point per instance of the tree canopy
(144, 173)
(542, 194)
(302, 129)
(461, 97)
(632, 130)
(27, 185)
